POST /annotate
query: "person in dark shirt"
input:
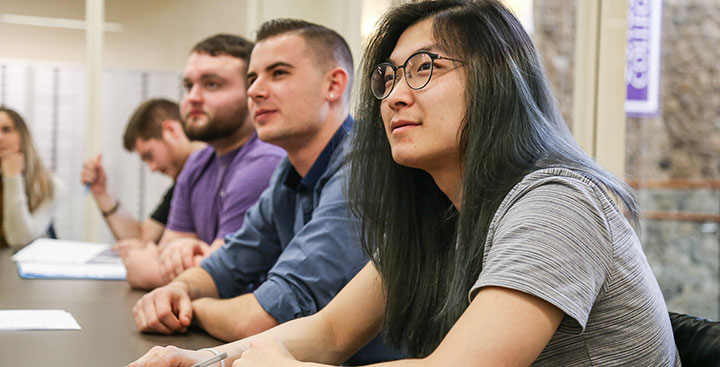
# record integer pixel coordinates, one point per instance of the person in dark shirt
(155, 132)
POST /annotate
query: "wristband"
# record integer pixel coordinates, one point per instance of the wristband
(112, 210)
(222, 363)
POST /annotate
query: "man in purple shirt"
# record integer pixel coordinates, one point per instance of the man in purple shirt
(236, 179)
(219, 183)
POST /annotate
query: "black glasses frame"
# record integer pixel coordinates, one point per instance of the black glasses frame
(433, 57)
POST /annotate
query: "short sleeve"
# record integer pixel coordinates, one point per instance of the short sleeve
(180, 218)
(247, 184)
(552, 241)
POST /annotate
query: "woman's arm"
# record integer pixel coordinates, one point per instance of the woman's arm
(332, 335)
(350, 321)
(19, 225)
(336, 332)
(501, 327)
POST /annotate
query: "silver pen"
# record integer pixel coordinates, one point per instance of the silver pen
(211, 361)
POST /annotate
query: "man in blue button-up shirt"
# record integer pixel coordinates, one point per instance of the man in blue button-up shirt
(297, 247)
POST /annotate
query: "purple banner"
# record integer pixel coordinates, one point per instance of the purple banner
(642, 73)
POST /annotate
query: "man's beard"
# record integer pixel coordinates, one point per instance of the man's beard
(214, 129)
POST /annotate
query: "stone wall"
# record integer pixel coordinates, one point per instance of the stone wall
(554, 37)
(682, 143)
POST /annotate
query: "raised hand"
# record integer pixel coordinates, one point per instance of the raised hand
(93, 174)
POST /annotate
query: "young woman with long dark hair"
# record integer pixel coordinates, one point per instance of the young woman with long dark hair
(495, 239)
(29, 190)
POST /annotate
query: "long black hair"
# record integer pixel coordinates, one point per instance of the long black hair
(428, 253)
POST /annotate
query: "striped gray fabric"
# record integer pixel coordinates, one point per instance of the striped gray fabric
(558, 236)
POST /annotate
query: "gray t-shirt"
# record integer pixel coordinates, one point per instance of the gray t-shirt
(558, 236)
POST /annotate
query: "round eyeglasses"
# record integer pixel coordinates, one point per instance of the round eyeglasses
(418, 71)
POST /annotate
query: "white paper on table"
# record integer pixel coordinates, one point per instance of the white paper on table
(112, 271)
(37, 320)
(59, 251)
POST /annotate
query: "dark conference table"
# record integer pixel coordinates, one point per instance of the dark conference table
(103, 308)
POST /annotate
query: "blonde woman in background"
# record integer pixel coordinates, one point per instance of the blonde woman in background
(29, 190)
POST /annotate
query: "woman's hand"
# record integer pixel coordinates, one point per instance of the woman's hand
(171, 356)
(13, 164)
(266, 351)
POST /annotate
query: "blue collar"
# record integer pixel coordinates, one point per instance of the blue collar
(293, 179)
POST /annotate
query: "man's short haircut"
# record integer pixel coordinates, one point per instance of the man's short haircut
(225, 44)
(328, 47)
(146, 121)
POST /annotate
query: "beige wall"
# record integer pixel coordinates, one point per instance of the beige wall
(32, 42)
(158, 34)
